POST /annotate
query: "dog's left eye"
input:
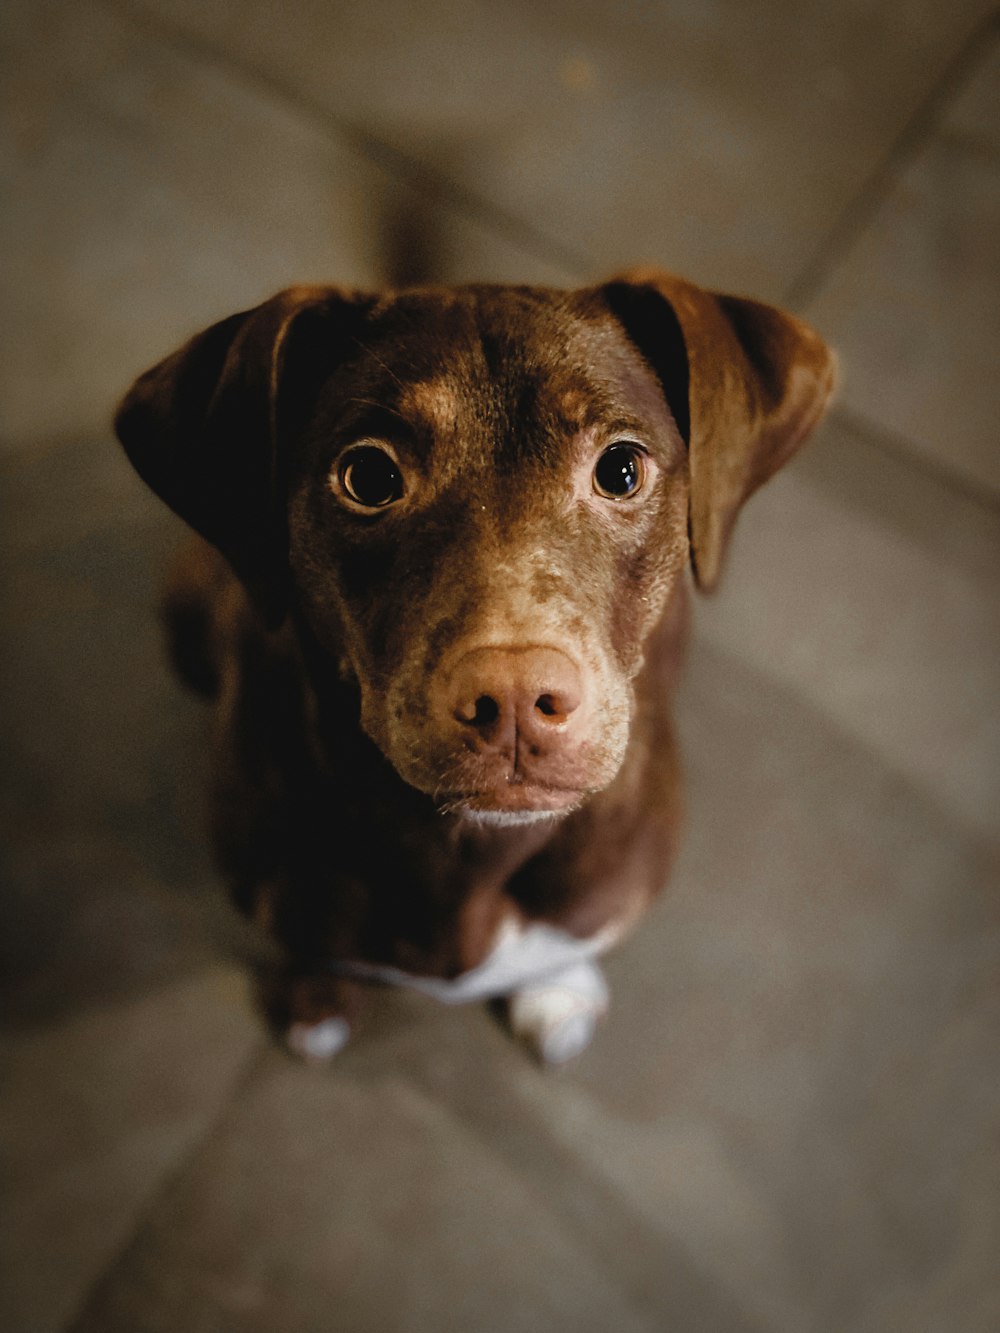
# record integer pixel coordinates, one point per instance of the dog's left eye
(620, 471)
(370, 477)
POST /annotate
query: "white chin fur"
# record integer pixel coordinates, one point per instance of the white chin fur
(510, 818)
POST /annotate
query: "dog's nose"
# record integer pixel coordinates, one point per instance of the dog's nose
(500, 695)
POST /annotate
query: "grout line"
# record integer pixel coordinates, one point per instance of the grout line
(395, 162)
(900, 449)
(860, 209)
(213, 1130)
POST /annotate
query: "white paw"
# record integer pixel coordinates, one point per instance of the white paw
(558, 1017)
(318, 1041)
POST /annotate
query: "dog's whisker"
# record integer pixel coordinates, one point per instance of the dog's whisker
(380, 362)
(380, 407)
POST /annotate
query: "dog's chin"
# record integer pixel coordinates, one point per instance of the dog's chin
(509, 818)
(514, 806)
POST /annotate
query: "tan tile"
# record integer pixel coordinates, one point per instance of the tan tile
(975, 111)
(495, 1091)
(717, 140)
(913, 306)
(870, 590)
(97, 1112)
(347, 1198)
(966, 1288)
(83, 922)
(108, 888)
(93, 722)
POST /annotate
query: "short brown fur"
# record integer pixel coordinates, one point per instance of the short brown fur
(339, 644)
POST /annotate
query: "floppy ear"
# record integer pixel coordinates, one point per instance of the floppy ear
(746, 383)
(207, 428)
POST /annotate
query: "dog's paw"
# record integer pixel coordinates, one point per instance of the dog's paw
(557, 1018)
(312, 1013)
(318, 1042)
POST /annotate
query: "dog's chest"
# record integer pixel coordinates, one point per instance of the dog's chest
(521, 955)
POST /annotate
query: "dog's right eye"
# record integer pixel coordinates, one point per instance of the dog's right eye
(620, 471)
(370, 477)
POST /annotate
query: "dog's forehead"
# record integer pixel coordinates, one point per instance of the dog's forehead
(506, 359)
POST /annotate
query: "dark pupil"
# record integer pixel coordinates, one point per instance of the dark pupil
(617, 471)
(372, 478)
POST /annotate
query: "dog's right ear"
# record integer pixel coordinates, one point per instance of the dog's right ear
(746, 383)
(207, 428)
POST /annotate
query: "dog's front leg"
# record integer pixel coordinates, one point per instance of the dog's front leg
(557, 1016)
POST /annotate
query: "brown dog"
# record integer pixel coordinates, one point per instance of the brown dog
(458, 521)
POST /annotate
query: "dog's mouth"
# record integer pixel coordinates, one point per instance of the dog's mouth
(523, 803)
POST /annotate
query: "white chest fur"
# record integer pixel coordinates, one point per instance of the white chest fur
(521, 955)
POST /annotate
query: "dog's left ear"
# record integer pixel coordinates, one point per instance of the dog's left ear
(207, 428)
(746, 383)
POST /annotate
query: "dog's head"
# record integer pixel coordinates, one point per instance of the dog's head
(480, 498)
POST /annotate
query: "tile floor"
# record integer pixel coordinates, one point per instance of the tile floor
(790, 1121)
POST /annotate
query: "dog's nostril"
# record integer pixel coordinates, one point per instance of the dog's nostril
(555, 707)
(481, 712)
(487, 711)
